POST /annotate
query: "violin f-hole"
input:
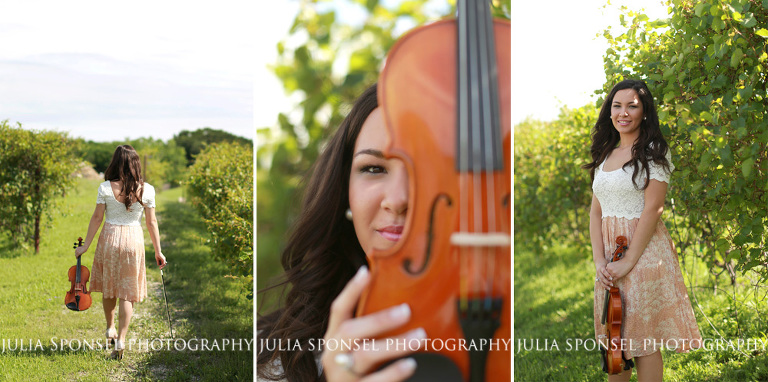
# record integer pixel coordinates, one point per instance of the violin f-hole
(407, 263)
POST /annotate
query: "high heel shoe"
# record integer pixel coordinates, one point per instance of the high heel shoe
(118, 352)
(111, 335)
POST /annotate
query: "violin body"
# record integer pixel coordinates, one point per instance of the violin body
(452, 264)
(78, 297)
(613, 357)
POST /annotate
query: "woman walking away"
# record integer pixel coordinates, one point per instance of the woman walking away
(118, 264)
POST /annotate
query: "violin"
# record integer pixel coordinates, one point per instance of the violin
(613, 356)
(78, 298)
(445, 98)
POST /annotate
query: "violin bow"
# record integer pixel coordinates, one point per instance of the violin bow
(166, 304)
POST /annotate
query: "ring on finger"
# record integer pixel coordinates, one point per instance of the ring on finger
(346, 361)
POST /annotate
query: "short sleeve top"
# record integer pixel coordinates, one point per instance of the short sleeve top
(116, 213)
(616, 193)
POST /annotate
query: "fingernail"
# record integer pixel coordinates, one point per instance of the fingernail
(361, 273)
(417, 334)
(408, 365)
(400, 312)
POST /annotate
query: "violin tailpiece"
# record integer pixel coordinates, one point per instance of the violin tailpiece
(479, 318)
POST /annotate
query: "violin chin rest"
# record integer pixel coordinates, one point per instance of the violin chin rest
(434, 367)
(73, 306)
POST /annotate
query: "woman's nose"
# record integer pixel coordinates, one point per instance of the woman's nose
(396, 196)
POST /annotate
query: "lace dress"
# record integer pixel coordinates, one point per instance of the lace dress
(118, 265)
(657, 312)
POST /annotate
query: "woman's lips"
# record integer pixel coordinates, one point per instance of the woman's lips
(391, 233)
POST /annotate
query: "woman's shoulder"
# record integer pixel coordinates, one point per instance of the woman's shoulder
(148, 187)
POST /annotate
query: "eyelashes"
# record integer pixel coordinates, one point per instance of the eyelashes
(372, 169)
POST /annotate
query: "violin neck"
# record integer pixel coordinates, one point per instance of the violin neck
(77, 271)
(478, 125)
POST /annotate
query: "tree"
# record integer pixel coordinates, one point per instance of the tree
(35, 168)
(193, 142)
(706, 66)
(221, 187)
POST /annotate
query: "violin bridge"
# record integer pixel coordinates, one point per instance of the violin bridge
(468, 239)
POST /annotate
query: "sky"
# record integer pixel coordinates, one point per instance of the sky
(557, 60)
(107, 71)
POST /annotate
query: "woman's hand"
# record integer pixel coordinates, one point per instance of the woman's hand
(619, 269)
(340, 364)
(604, 277)
(80, 250)
(160, 259)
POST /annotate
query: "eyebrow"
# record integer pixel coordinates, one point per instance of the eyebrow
(376, 153)
(633, 101)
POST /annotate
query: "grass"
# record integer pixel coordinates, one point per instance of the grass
(553, 302)
(204, 305)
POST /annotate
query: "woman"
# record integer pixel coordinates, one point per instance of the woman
(630, 169)
(118, 264)
(355, 202)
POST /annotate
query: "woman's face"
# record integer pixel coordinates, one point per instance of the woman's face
(378, 188)
(627, 111)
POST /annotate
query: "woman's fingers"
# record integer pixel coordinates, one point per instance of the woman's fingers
(397, 371)
(344, 304)
(363, 360)
(375, 323)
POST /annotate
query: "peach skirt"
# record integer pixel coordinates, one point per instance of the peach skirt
(118, 265)
(657, 312)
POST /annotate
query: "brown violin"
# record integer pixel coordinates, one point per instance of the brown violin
(78, 298)
(613, 356)
(445, 98)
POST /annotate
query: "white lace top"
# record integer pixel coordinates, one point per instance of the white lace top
(617, 194)
(115, 210)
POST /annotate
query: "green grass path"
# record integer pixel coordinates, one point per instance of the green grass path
(204, 304)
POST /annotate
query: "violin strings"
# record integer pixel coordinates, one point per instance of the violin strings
(485, 34)
(478, 123)
(462, 139)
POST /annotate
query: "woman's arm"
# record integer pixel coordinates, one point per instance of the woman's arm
(93, 226)
(596, 234)
(154, 234)
(596, 237)
(655, 194)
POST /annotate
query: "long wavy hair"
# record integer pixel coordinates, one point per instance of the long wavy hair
(321, 256)
(126, 168)
(649, 146)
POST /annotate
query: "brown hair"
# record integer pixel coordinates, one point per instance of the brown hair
(650, 144)
(321, 256)
(126, 168)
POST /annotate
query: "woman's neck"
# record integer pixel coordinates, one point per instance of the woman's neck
(626, 141)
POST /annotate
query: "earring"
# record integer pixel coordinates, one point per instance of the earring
(644, 118)
(348, 214)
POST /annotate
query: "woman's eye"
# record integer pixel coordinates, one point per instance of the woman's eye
(372, 169)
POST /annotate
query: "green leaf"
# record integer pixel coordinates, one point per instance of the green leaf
(762, 32)
(749, 20)
(699, 9)
(736, 57)
(746, 167)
